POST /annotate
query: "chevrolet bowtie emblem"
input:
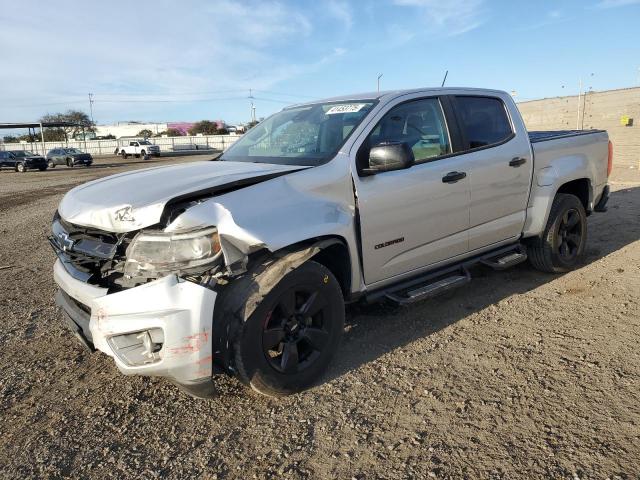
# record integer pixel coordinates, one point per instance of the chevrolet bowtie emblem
(125, 214)
(65, 242)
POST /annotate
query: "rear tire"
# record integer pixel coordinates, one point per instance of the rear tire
(124, 155)
(563, 243)
(20, 167)
(288, 341)
(51, 164)
(42, 169)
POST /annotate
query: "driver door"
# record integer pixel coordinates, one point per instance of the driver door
(417, 217)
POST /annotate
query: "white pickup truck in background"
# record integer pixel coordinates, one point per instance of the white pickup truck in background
(244, 265)
(138, 148)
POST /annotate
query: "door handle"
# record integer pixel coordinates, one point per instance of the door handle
(453, 177)
(516, 162)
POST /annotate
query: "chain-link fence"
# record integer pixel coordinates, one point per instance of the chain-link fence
(108, 147)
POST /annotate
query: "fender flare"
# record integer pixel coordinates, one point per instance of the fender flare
(238, 300)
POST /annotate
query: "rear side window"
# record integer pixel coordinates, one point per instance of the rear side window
(484, 120)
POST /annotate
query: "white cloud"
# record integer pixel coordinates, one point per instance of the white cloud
(452, 17)
(341, 10)
(616, 3)
(146, 50)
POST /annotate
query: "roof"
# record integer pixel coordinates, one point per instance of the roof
(7, 126)
(397, 93)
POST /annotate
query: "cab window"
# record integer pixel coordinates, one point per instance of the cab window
(484, 121)
(420, 124)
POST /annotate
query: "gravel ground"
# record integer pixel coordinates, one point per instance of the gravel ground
(520, 374)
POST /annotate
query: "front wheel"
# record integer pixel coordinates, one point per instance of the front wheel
(288, 341)
(124, 155)
(20, 167)
(51, 164)
(70, 163)
(43, 168)
(565, 236)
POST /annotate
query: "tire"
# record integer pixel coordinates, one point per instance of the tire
(20, 167)
(143, 153)
(281, 349)
(51, 164)
(124, 154)
(42, 169)
(70, 163)
(563, 243)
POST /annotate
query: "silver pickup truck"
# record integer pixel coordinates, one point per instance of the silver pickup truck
(243, 265)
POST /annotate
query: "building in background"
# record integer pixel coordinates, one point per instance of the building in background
(131, 129)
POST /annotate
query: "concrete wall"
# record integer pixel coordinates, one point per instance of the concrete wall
(601, 110)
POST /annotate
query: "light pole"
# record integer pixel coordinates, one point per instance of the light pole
(91, 105)
(379, 77)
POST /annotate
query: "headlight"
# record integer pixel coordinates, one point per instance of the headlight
(157, 253)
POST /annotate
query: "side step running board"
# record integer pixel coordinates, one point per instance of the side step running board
(429, 290)
(506, 260)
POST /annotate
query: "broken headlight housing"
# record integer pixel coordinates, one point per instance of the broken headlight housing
(154, 254)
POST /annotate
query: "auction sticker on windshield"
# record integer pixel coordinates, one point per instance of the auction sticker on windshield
(345, 108)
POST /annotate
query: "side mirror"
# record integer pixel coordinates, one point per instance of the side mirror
(389, 156)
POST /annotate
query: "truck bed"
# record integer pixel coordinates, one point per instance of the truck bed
(544, 135)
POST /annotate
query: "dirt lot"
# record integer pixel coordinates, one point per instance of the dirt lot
(521, 374)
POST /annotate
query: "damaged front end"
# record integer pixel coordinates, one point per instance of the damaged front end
(145, 298)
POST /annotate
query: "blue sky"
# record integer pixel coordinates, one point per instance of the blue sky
(189, 60)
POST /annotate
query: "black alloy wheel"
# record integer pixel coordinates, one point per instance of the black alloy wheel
(294, 332)
(285, 344)
(569, 235)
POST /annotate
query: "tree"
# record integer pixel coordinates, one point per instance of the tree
(10, 139)
(170, 132)
(145, 133)
(206, 127)
(251, 124)
(71, 116)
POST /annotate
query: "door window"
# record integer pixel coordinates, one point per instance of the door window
(420, 124)
(484, 121)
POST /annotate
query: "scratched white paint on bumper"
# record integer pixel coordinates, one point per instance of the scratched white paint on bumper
(183, 310)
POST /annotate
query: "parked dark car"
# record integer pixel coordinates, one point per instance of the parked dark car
(69, 157)
(22, 160)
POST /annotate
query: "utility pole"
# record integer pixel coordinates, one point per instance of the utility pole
(379, 77)
(579, 99)
(91, 106)
(253, 107)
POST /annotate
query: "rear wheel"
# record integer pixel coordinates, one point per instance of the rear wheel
(70, 163)
(20, 167)
(124, 154)
(51, 164)
(565, 237)
(43, 168)
(288, 341)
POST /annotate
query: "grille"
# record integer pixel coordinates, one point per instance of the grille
(94, 254)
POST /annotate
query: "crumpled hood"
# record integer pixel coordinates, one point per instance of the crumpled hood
(133, 200)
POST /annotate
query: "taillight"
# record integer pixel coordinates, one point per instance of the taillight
(610, 160)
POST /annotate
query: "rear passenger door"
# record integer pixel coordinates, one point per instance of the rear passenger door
(499, 169)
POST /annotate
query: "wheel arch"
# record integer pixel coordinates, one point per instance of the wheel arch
(239, 298)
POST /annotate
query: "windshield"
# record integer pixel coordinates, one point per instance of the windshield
(73, 150)
(144, 143)
(21, 153)
(307, 135)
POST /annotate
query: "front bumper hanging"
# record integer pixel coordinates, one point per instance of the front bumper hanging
(161, 328)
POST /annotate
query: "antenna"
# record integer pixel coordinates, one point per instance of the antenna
(445, 78)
